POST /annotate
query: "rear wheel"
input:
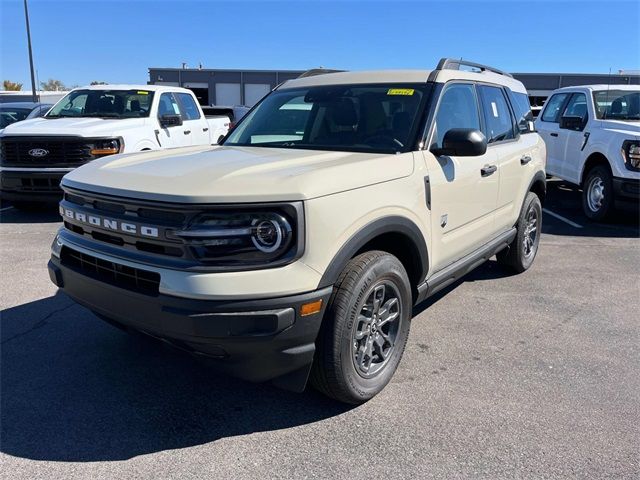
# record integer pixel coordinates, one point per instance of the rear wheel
(520, 254)
(597, 194)
(365, 329)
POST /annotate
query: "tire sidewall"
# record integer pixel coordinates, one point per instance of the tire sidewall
(605, 176)
(532, 201)
(389, 269)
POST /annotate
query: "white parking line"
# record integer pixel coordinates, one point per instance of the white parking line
(560, 217)
(5, 208)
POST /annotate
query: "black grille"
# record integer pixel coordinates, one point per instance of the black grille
(134, 279)
(61, 151)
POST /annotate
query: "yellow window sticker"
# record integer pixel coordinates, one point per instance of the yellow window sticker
(400, 91)
(142, 92)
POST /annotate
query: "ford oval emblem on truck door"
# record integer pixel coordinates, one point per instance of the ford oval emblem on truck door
(38, 152)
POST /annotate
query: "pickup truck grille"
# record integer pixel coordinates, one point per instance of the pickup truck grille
(60, 151)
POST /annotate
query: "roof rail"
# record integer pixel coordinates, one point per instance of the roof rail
(454, 64)
(318, 71)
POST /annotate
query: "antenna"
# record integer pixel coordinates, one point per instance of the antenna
(606, 100)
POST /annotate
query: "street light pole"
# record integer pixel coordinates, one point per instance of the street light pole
(34, 97)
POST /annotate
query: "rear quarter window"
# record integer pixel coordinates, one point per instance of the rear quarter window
(552, 108)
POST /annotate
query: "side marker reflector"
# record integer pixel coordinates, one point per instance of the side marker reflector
(310, 308)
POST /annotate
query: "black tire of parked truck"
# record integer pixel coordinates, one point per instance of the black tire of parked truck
(365, 329)
(597, 194)
(521, 253)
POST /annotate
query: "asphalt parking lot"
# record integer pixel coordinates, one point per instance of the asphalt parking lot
(528, 376)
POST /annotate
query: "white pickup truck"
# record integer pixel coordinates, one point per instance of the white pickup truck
(93, 122)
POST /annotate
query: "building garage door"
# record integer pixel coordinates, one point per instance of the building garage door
(254, 92)
(228, 94)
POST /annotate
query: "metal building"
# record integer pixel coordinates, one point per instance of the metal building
(246, 87)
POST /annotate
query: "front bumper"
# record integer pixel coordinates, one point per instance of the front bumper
(256, 340)
(31, 184)
(626, 188)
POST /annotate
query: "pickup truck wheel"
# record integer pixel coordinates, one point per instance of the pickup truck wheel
(597, 194)
(365, 329)
(519, 255)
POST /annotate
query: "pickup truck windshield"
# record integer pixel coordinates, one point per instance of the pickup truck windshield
(104, 104)
(364, 118)
(617, 104)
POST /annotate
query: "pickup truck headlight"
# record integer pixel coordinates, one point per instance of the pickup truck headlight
(107, 146)
(261, 237)
(631, 154)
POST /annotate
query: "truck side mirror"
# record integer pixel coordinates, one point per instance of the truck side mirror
(572, 123)
(462, 142)
(170, 120)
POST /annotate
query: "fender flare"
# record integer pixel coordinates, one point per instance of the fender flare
(539, 177)
(389, 224)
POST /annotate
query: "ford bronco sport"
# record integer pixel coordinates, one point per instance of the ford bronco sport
(297, 248)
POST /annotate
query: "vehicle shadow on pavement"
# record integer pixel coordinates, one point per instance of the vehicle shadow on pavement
(566, 200)
(75, 389)
(42, 214)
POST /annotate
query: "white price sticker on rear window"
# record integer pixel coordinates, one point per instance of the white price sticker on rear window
(494, 108)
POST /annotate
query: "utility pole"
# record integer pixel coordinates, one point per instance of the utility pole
(34, 96)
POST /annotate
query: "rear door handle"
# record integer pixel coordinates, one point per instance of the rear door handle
(206, 129)
(488, 170)
(525, 159)
(187, 132)
(553, 134)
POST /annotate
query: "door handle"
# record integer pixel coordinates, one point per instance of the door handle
(525, 159)
(187, 132)
(488, 170)
(206, 129)
(553, 134)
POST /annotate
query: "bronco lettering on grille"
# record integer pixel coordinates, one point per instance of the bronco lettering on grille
(110, 224)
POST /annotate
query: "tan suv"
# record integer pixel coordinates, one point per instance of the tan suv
(297, 248)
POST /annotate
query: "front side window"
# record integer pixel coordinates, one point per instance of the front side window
(168, 105)
(189, 107)
(552, 108)
(497, 116)
(577, 106)
(366, 118)
(617, 104)
(458, 108)
(103, 104)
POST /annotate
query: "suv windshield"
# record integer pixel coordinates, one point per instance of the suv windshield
(104, 104)
(12, 115)
(365, 118)
(617, 104)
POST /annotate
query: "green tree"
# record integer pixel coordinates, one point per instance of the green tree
(53, 85)
(12, 86)
(96, 82)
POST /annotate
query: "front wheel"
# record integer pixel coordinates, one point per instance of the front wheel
(597, 194)
(365, 329)
(519, 255)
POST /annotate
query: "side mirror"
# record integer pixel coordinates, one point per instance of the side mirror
(572, 123)
(462, 142)
(170, 120)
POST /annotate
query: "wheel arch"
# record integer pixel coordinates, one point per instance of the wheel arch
(538, 185)
(396, 235)
(593, 160)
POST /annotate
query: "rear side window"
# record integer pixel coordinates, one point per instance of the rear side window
(522, 110)
(458, 108)
(189, 107)
(552, 108)
(497, 116)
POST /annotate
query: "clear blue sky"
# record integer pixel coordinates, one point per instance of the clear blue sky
(116, 41)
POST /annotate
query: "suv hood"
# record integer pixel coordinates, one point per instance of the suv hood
(83, 126)
(236, 174)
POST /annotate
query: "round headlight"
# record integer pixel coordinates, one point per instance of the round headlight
(267, 235)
